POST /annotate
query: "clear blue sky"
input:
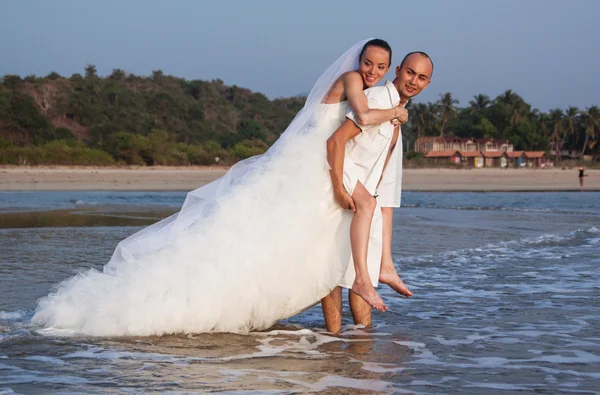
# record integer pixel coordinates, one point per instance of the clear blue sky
(545, 50)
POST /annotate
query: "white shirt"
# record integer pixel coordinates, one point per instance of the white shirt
(366, 153)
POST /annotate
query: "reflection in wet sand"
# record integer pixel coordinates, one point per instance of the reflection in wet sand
(84, 217)
(275, 361)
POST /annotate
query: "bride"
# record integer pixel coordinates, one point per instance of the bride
(262, 243)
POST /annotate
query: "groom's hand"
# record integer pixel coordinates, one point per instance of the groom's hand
(344, 199)
(401, 116)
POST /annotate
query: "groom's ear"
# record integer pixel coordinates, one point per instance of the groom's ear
(428, 82)
(398, 68)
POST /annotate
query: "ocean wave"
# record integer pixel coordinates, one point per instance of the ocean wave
(496, 208)
(547, 245)
(12, 315)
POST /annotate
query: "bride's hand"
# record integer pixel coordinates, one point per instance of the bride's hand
(401, 116)
(344, 199)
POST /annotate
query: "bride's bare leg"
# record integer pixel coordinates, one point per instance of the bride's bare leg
(332, 310)
(359, 239)
(388, 274)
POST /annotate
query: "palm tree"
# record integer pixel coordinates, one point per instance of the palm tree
(420, 118)
(541, 120)
(432, 117)
(508, 97)
(480, 103)
(517, 107)
(447, 103)
(592, 123)
(557, 122)
(520, 111)
(571, 116)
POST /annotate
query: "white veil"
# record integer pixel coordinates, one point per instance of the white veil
(202, 201)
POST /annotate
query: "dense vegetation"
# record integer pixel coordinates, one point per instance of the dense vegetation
(509, 117)
(164, 120)
(126, 119)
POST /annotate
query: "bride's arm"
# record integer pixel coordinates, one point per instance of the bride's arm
(336, 147)
(353, 86)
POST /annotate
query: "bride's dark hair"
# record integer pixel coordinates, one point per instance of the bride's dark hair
(376, 42)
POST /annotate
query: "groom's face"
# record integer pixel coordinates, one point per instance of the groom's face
(413, 75)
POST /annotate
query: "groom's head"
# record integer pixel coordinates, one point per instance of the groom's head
(413, 74)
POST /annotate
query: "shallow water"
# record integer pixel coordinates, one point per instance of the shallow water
(506, 301)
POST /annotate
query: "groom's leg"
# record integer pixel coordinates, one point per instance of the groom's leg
(361, 311)
(332, 310)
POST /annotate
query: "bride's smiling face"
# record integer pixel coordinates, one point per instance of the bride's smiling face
(374, 64)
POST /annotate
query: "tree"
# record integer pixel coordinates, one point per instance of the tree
(12, 81)
(432, 116)
(420, 118)
(53, 76)
(248, 148)
(447, 103)
(90, 71)
(509, 98)
(129, 148)
(117, 75)
(480, 103)
(514, 107)
(250, 129)
(571, 117)
(157, 76)
(592, 124)
(557, 124)
(45, 96)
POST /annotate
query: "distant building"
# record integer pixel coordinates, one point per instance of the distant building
(472, 158)
(534, 158)
(565, 153)
(444, 156)
(495, 158)
(449, 143)
(516, 159)
(478, 152)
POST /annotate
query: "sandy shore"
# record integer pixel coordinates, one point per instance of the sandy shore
(188, 178)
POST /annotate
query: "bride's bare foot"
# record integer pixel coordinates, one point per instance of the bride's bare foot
(366, 291)
(389, 276)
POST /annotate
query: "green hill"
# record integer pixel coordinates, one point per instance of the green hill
(127, 119)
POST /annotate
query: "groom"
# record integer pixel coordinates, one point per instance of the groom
(384, 175)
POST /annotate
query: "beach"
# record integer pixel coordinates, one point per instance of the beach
(58, 178)
(505, 301)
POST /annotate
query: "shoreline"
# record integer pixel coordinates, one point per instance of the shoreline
(68, 178)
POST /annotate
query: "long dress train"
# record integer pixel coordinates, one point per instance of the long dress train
(262, 243)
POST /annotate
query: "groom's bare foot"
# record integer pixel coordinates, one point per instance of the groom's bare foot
(366, 291)
(389, 276)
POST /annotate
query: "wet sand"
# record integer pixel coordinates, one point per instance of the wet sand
(188, 178)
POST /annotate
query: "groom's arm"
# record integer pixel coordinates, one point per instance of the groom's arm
(336, 148)
(353, 85)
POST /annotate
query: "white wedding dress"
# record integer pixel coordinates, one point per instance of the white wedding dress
(260, 244)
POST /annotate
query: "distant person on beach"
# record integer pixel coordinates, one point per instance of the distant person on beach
(581, 175)
(366, 173)
(262, 243)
